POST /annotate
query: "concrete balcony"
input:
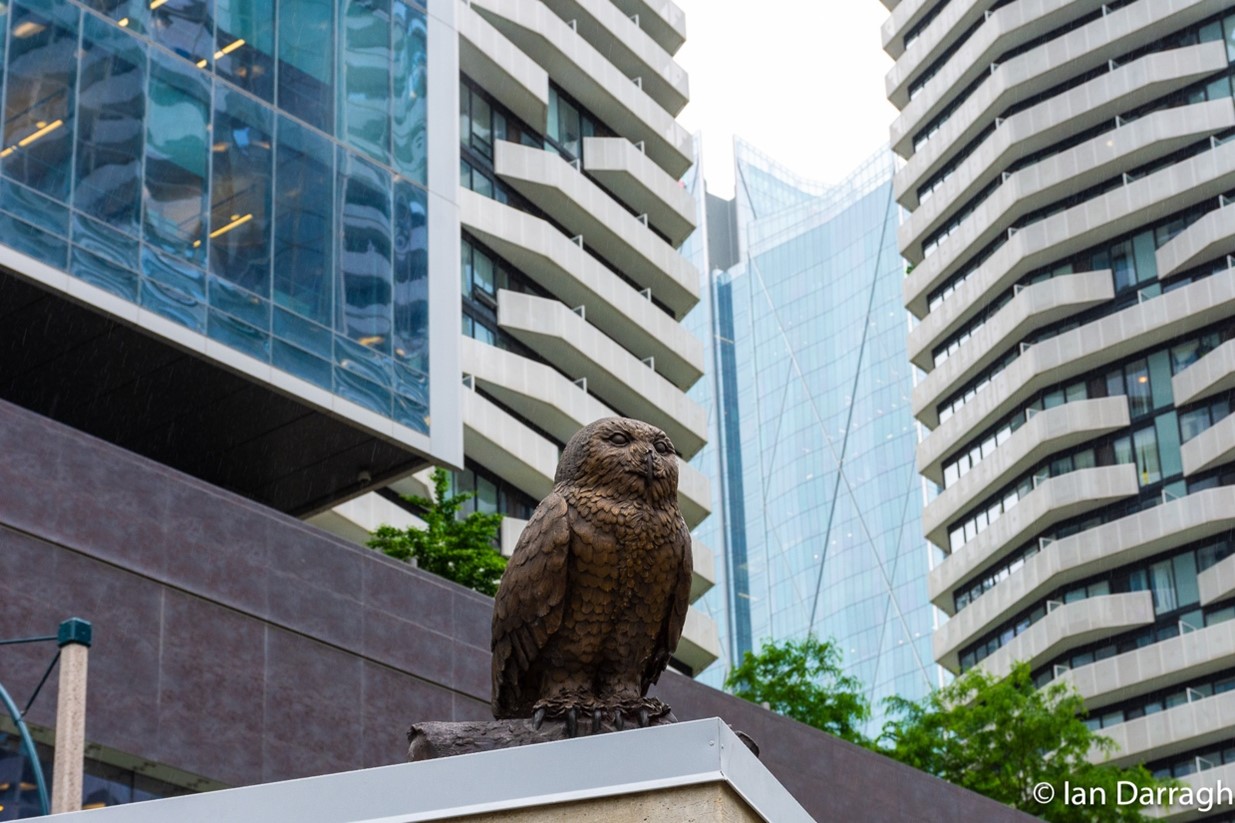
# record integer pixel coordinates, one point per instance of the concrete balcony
(1054, 500)
(905, 15)
(1087, 164)
(358, 518)
(662, 20)
(1210, 779)
(1103, 217)
(700, 644)
(531, 389)
(1210, 237)
(586, 210)
(1005, 29)
(1193, 725)
(578, 279)
(1033, 307)
(1212, 374)
(1075, 110)
(486, 56)
(629, 386)
(589, 77)
(1181, 659)
(1081, 350)
(1210, 448)
(1065, 627)
(1038, 17)
(511, 530)
(641, 184)
(1048, 65)
(510, 449)
(1218, 581)
(1055, 430)
(1118, 543)
(561, 407)
(630, 48)
(704, 575)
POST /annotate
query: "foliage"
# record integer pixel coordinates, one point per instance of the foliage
(803, 680)
(1002, 736)
(459, 549)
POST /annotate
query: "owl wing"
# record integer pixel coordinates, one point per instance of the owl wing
(675, 615)
(529, 605)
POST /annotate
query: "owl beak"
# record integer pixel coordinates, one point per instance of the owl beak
(649, 464)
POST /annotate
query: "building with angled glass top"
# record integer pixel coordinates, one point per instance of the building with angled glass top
(822, 503)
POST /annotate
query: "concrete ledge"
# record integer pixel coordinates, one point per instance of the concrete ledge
(1207, 238)
(486, 56)
(1217, 582)
(1210, 448)
(648, 761)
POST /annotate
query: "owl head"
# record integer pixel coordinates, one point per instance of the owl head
(622, 457)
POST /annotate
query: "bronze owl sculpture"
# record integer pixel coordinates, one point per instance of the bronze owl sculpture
(593, 600)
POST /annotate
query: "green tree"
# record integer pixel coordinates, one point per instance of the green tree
(1002, 736)
(454, 547)
(803, 680)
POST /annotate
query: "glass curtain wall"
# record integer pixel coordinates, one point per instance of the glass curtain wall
(250, 170)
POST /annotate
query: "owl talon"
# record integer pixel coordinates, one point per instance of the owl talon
(572, 722)
(598, 717)
(619, 722)
(643, 718)
(538, 717)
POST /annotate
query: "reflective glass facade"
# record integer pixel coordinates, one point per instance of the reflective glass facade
(253, 172)
(822, 501)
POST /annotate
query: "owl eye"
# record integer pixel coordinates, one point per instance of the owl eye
(618, 439)
(662, 447)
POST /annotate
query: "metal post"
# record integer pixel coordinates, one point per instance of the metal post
(74, 640)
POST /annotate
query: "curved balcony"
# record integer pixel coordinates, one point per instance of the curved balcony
(959, 16)
(579, 279)
(630, 48)
(1050, 64)
(700, 644)
(663, 21)
(1054, 430)
(1210, 449)
(1082, 350)
(587, 210)
(1065, 627)
(614, 374)
(1103, 217)
(1003, 30)
(1212, 374)
(486, 56)
(1033, 307)
(589, 77)
(1210, 779)
(1211, 236)
(1181, 659)
(1075, 110)
(905, 15)
(1201, 722)
(1156, 135)
(512, 451)
(1127, 540)
(1218, 581)
(1054, 500)
(641, 184)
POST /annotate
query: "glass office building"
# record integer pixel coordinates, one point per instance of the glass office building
(254, 173)
(821, 498)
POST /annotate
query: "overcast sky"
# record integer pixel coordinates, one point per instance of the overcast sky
(801, 80)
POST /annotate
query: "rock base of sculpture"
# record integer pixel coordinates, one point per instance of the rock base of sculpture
(435, 739)
(445, 738)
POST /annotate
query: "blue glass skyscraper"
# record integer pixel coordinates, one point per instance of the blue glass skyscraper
(815, 436)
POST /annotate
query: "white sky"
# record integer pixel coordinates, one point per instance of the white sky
(801, 80)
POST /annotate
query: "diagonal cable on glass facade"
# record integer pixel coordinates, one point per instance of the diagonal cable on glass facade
(821, 497)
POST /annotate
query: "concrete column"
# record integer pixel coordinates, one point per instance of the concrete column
(66, 791)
